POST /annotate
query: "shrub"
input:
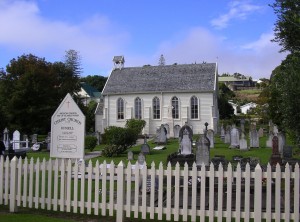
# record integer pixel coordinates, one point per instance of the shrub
(136, 124)
(90, 142)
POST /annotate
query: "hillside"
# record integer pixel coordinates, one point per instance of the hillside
(247, 95)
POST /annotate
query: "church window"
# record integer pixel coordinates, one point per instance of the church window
(120, 108)
(175, 108)
(156, 108)
(194, 108)
(138, 108)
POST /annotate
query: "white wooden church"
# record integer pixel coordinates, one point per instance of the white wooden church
(167, 94)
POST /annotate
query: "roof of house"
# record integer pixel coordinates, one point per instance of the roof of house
(233, 79)
(167, 78)
(251, 104)
(90, 90)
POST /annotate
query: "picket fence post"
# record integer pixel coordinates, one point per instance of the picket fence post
(13, 185)
(120, 193)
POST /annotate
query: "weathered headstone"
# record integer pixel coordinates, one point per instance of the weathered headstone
(141, 159)
(275, 129)
(275, 157)
(16, 140)
(242, 125)
(281, 142)
(167, 127)
(170, 123)
(130, 155)
(222, 133)
(6, 138)
(176, 131)
(210, 136)
(287, 152)
(202, 152)
(234, 138)
(254, 139)
(243, 142)
(162, 135)
(269, 140)
(261, 132)
(185, 140)
(48, 141)
(145, 148)
(271, 127)
(227, 135)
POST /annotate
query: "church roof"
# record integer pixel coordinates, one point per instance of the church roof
(167, 78)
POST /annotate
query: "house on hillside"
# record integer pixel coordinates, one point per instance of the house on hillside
(165, 94)
(234, 106)
(237, 82)
(245, 108)
(88, 93)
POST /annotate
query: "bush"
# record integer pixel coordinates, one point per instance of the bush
(136, 124)
(90, 142)
(119, 139)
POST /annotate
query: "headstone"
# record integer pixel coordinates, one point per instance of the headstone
(254, 139)
(145, 148)
(234, 138)
(222, 133)
(167, 127)
(130, 155)
(16, 140)
(185, 140)
(242, 125)
(243, 142)
(141, 159)
(210, 136)
(6, 138)
(275, 157)
(48, 140)
(261, 132)
(287, 152)
(281, 142)
(269, 140)
(227, 135)
(176, 131)
(271, 127)
(156, 138)
(162, 135)
(98, 136)
(275, 129)
(202, 152)
(34, 138)
(170, 122)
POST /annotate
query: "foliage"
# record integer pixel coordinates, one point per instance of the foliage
(136, 124)
(73, 62)
(98, 82)
(120, 138)
(226, 111)
(287, 26)
(30, 91)
(90, 142)
(284, 100)
(89, 112)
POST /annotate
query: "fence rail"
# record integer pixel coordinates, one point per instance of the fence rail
(171, 193)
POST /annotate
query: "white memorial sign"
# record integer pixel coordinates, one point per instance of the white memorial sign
(67, 130)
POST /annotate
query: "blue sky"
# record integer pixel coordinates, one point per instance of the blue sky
(236, 34)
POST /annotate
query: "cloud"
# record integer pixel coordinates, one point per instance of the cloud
(23, 28)
(237, 10)
(257, 59)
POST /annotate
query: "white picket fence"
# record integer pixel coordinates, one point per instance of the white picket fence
(171, 194)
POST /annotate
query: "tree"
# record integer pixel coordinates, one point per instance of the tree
(226, 111)
(97, 82)
(73, 62)
(162, 60)
(287, 26)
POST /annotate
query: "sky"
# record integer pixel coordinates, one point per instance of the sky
(236, 34)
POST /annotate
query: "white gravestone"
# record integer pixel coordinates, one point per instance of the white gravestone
(16, 140)
(254, 139)
(67, 130)
(234, 138)
(243, 143)
(202, 152)
(176, 131)
(186, 139)
(269, 140)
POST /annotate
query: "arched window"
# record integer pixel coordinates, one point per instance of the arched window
(175, 108)
(194, 108)
(137, 108)
(120, 108)
(156, 108)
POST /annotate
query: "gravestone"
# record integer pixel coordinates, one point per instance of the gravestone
(269, 140)
(156, 138)
(281, 142)
(222, 133)
(234, 138)
(16, 140)
(242, 122)
(275, 157)
(202, 152)
(287, 152)
(98, 136)
(141, 159)
(130, 155)
(48, 141)
(145, 148)
(254, 139)
(162, 135)
(34, 138)
(185, 140)
(261, 132)
(271, 127)
(210, 136)
(6, 138)
(275, 129)
(176, 131)
(227, 135)
(170, 122)
(167, 127)
(243, 142)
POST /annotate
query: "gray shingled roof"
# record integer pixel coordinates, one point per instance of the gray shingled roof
(169, 78)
